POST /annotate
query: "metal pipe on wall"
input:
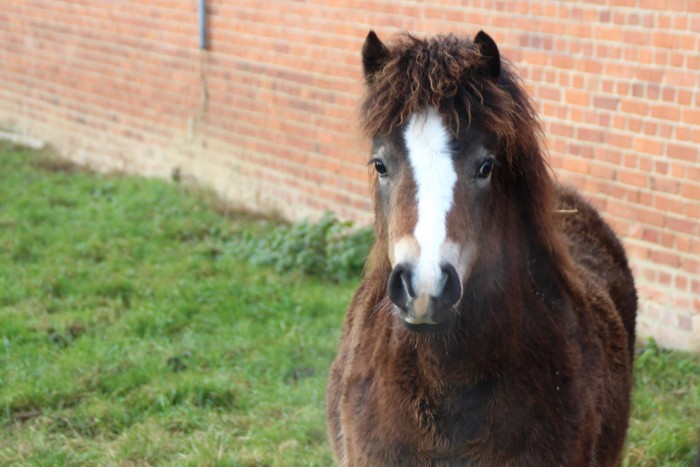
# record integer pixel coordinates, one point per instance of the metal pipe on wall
(202, 18)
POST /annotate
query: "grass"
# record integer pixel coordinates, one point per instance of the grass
(132, 333)
(666, 413)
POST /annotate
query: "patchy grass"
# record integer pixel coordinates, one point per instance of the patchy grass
(132, 333)
(666, 417)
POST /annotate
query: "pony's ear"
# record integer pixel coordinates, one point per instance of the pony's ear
(374, 55)
(489, 50)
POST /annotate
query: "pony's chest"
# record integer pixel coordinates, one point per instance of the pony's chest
(412, 417)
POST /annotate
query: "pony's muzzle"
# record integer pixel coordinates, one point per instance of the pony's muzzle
(421, 309)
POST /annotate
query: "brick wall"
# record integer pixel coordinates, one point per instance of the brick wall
(267, 115)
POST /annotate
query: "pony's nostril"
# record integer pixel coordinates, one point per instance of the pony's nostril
(452, 286)
(400, 286)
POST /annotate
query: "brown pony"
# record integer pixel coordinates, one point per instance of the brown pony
(495, 321)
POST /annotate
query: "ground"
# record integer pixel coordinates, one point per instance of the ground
(133, 332)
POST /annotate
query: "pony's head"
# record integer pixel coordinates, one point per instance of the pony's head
(452, 134)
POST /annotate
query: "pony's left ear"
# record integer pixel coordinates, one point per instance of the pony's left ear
(489, 50)
(374, 55)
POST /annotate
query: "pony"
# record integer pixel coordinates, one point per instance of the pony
(494, 324)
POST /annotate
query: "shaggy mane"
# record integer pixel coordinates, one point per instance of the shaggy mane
(448, 73)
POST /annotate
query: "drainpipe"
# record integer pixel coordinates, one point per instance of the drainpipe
(202, 17)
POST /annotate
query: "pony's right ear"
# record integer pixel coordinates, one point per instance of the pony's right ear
(374, 55)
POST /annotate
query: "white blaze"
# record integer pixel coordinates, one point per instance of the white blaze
(430, 156)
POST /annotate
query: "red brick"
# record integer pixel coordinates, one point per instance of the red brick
(665, 258)
(575, 165)
(648, 127)
(692, 62)
(686, 153)
(605, 102)
(682, 225)
(650, 217)
(549, 93)
(590, 135)
(620, 209)
(665, 112)
(681, 78)
(695, 24)
(613, 34)
(648, 146)
(691, 265)
(665, 185)
(664, 278)
(633, 178)
(620, 122)
(681, 283)
(603, 171)
(577, 97)
(691, 190)
(619, 140)
(691, 116)
(630, 160)
(561, 130)
(635, 106)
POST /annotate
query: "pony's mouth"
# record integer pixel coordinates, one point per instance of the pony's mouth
(419, 321)
(425, 324)
(425, 328)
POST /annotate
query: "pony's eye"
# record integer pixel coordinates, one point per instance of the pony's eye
(380, 168)
(485, 169)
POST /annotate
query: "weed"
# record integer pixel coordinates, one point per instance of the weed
(328, 248)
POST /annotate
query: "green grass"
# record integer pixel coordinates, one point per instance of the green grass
(666, 417)
(131, 332)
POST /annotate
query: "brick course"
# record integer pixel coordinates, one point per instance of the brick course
(267, 116)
